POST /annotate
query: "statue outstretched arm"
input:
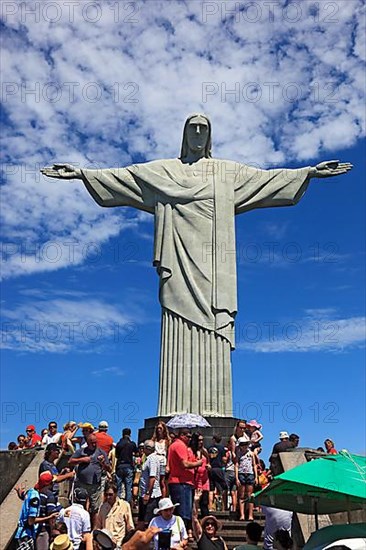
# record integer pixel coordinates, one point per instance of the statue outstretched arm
(62, 171)
(329, 169)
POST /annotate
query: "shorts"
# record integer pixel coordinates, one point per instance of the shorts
(217, 480)
(94, 492)
(246, 479)
(230, 480)
(146, 511)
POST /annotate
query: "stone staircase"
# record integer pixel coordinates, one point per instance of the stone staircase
(232, 531)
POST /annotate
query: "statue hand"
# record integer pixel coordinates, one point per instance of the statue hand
(63, 171)
(331, 168)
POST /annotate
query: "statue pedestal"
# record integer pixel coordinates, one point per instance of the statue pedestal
(223, 425)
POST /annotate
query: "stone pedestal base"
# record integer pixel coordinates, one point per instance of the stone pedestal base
(219, 425)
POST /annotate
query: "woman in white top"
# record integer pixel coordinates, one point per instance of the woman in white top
(162, 442)
(246, 476)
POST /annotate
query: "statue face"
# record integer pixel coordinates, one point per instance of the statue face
(197, 134)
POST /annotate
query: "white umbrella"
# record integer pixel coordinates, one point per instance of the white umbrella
(188, 420)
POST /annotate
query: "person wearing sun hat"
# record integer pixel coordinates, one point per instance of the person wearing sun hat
(282, 446)
(205, 532)
(166, 520)
(61, 542)
(254, 432)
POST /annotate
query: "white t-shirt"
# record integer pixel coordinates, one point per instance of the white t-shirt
(77, 521)
(51, 438)
(175, 524)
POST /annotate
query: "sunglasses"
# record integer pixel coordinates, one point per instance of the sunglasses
(210, 524)
(109, 494)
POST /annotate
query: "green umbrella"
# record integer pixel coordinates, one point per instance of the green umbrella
(322, 486)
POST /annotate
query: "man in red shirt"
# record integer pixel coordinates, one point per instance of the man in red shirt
(182, 462)
(104, 440)
(33, 439)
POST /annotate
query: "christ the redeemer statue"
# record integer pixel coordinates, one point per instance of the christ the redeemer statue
(194, 199)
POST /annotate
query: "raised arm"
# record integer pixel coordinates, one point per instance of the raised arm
(62, 171)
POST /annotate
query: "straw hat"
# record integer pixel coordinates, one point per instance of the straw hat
(62, 542)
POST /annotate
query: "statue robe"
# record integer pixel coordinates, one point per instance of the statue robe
(194, 252)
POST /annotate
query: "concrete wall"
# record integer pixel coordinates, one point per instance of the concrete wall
(12, 465)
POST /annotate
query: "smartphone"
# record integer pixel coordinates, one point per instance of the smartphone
(164, 538)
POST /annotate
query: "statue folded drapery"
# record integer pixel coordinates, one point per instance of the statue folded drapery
(194, 253)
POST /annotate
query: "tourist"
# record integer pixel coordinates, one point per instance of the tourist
(149, 487)
(33, 439)
(29, 519)
(217, 456)
(52, 454)
(138, 462)
(182, 464)
(166, 520)
(49, 508)
(295, 440)
(246, 476)
(230, 480)
(282, 446)
(239, 431)
(275, 519)
(52, 436)
(104, 440)
(114, 515)
(90, 462)
(329, 446)
(253, 431)
(77, 520)
(86, 429)
(125, 452)
(12, 446)
(282, 540)
(21, 440)
(70, 429)
(162, 442)
(201, 477)
(205, 533)
(253, 534)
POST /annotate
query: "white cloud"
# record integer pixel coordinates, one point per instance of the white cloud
(59, 322)
(105, 91)
(320, 330)
(108, 371)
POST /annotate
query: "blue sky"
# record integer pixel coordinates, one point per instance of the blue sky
(112, 84)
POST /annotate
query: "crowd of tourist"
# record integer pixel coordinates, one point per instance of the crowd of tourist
(171, 479)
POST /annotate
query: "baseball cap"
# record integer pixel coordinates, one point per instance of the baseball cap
(284, 435)
(46, 478)
(53, 447)
(103, 425)
(30, 427)
(80, 494)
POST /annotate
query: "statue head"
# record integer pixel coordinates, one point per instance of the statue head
(196, 135)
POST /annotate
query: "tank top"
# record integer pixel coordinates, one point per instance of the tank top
(205, 543)
(246, 463)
